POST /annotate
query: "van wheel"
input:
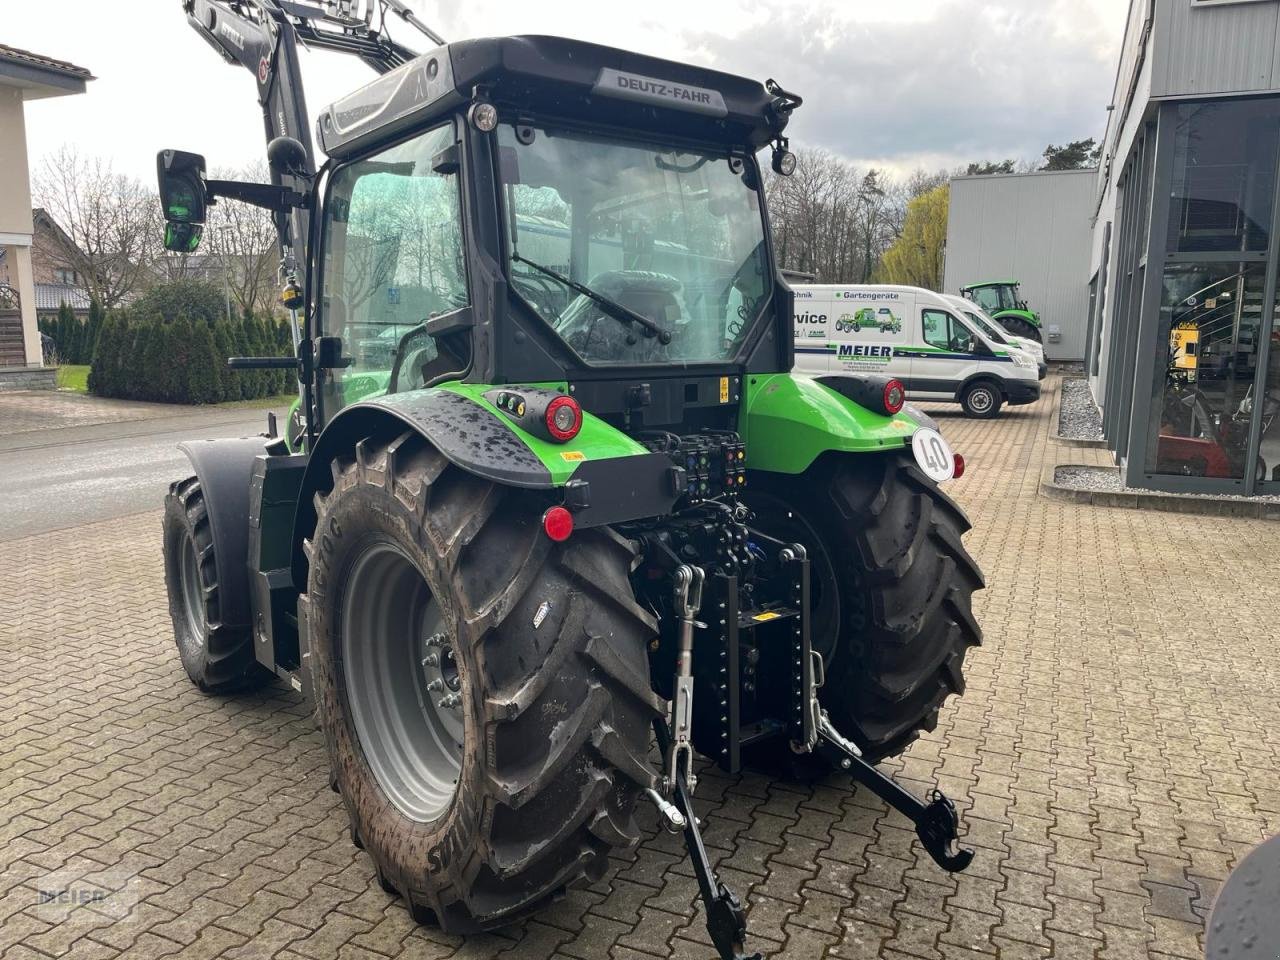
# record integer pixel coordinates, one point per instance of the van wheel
(981, 400)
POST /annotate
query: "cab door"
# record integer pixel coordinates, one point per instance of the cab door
(943, 356)
(391, 233)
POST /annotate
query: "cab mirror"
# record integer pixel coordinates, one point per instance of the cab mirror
(182, 189)
(182, 237)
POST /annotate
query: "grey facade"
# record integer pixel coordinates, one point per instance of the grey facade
(1183, 349)
(1033, 228)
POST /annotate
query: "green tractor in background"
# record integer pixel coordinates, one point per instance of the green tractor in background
(1000, 299)
(552, 491)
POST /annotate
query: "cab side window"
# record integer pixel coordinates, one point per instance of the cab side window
(945, 332)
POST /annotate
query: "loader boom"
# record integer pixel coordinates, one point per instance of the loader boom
(263, 36)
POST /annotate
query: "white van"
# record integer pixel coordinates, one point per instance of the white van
(912, 334)
(997, 331)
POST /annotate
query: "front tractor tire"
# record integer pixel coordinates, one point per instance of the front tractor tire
(892, 589)
(218, 657)
(484, 692)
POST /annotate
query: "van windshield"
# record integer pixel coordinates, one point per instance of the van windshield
(675, 235)
(987, 328)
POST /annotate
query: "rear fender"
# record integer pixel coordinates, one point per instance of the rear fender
(460, 422)
(791, 419)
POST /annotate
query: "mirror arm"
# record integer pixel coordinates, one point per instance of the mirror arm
(266, 195)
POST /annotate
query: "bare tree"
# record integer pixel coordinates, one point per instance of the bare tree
(107, 218)
(240, 240)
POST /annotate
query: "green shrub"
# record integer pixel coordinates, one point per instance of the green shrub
(193, 299)
(179, 358)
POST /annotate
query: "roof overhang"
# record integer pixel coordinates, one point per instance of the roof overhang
(39, 77)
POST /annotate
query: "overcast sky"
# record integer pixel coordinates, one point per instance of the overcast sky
(889, 83)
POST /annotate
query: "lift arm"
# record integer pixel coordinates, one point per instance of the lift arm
(263, 37)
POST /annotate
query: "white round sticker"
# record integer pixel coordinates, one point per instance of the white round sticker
(933, 454)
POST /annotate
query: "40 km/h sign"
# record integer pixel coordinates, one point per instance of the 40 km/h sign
(933, 454)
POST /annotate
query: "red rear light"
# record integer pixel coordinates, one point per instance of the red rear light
(894, 395)
(557, 523)
(959, 463)
(563, 419)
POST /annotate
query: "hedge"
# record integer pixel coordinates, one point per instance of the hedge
(158, 351)
(74, 339)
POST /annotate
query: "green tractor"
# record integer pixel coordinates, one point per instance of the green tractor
(1000, 299)
(554, 491)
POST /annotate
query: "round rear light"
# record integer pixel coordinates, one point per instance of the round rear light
(557, 523)
(563, 418)
(894, 395)
(959, 465)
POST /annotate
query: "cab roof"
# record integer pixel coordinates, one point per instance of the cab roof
(990, 283)
(561, 78)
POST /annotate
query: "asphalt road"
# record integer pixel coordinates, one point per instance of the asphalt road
(60, 478)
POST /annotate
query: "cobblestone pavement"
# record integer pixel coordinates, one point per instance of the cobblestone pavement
(1118, 750)
(24, 411)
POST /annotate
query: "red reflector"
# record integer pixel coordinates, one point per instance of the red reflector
(894, 395)
(959, 462)
(563, 418)
(557, 523)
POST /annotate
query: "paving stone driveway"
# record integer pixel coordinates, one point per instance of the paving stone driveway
(1116, 753)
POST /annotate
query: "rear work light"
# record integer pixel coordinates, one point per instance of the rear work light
(894, 395)
(563, 418)
(557, 524)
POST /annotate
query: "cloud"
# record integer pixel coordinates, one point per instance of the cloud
(965, 82)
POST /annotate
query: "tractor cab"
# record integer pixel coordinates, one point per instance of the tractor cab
(1000, 299)
(540, 210)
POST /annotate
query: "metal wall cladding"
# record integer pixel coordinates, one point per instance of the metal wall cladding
(1204, 48)
(1034, 228)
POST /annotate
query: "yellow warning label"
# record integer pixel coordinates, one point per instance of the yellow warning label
(573, 455)
(1184, 346)
(767, 615)
(724, 389)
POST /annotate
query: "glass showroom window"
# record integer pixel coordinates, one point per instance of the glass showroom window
(1269, 449)
(1224, 160)
(1210, 319)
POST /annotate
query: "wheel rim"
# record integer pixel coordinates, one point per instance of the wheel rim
(402, 683)
(980, 400)
(192, 588)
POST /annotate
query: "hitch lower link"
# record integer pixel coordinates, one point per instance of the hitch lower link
(936, 822)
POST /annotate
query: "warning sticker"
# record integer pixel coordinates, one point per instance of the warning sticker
(766, 616)
(573, 456)
(724, 389)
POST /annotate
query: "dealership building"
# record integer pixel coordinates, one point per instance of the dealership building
(1181, 337)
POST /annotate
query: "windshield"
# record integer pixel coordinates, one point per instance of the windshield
(673, 235)
(996, 298)
(987, 328)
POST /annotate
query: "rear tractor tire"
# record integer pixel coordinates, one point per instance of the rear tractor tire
(892, 589)
(484, 692)
(218, 657)
(1021, 327)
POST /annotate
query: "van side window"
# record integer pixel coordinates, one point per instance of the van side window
(945, 332)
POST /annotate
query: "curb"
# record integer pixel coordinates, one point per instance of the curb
(1099, 443)
(1148, 500)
